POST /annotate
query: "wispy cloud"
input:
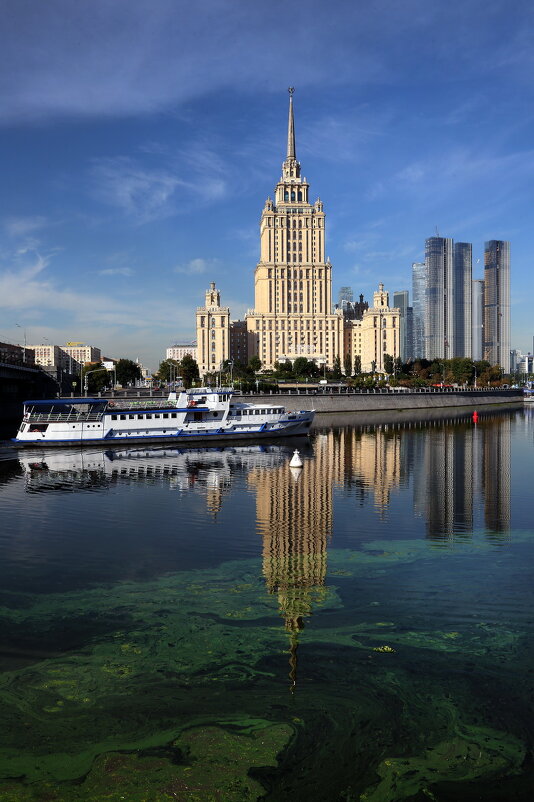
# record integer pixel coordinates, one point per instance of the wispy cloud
(22, 226)
(137, 57)
(116, 271)
(197, 266)
(186, 180)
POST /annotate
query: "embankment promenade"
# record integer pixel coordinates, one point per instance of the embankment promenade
(345, 400)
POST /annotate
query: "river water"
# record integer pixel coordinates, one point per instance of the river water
(212, 625)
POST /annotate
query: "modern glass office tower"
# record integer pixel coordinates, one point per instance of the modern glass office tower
(477, 319)
(497, 303)
(401, 300)
(418, 305)
(439, 310)
(462, 284)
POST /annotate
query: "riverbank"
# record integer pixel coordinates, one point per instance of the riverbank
(387, 400)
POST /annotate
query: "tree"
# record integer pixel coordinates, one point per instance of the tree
(127, 372)
(336, 370)
(98, 378)
(188, 370)
(357, 365)
(165, 367)
(254, 363)
(388, 363)
(347, 363)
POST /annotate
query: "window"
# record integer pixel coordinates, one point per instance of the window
(123, 417)
(149, 417)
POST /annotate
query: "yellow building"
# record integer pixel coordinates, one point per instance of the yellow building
(292, 313)
(375, 335)
(213, 336)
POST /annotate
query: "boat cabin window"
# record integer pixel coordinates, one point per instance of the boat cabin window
(123, 417)
(198, 416)
(113, 417)
(173, 414)
(149, 417)
(165, 414)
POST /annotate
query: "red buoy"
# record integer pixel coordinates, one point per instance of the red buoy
(475, 416)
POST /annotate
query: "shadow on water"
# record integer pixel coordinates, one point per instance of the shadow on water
(211, 624)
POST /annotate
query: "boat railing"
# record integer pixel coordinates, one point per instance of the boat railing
(62, 417)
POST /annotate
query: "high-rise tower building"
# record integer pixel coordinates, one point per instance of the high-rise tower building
(401, 301)
(419, 306)
(462, 284)
(477, 319)
(439, 311)
(497, 303)
(292, 313)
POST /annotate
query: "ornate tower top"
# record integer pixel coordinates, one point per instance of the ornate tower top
(291, 167)
(291, 152)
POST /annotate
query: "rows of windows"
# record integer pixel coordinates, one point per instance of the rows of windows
(144, 416)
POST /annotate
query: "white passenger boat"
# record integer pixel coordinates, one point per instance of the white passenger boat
(198, 415)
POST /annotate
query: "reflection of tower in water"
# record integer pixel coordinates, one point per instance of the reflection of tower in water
(496, 475)
(459, 464)
(294, 515)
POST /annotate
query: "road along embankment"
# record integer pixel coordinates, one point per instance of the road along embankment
(386, 400)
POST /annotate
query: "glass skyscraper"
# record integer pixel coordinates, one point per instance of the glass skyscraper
(497, 303)
(461, 291)
(439, 307)
(477, 319)
(401, 301)
(418, 305)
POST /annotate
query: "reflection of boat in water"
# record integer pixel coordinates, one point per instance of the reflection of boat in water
(181, 467)
(195, 415)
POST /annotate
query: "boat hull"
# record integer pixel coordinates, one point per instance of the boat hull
(299, 428)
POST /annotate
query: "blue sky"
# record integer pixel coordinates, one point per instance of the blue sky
(140, 139)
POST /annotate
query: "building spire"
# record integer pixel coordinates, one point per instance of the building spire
(291, 153)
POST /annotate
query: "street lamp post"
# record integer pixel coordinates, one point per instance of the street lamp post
(85, 381)
(24, 351)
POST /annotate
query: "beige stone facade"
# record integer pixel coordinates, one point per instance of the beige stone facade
(292, 313)
(177, 351)
(213, 336)
(375, 335)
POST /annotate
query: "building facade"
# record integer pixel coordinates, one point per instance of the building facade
(178, 351)
(381, 334)
(213, 324)
(292, 315)
(497, 303)
(477, 319)
(462, 285)
(439, 297)
(82, 353)
(419, 307)
(401, 301)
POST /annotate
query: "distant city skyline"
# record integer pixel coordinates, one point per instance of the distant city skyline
(135, 159)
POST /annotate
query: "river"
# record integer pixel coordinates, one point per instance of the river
(211, 624)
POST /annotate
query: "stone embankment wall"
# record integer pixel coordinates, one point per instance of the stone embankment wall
(382, 400)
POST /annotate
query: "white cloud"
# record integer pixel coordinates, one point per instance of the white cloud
(190, 178)
(116, 271)
(197, 266)
(22, 226)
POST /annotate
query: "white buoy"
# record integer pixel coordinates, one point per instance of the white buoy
(296, 473)
(296, 461)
